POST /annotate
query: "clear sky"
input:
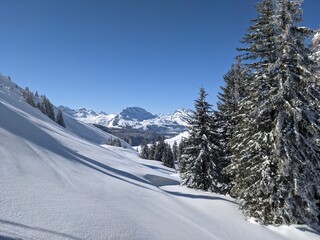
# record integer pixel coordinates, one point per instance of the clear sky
(111, 54)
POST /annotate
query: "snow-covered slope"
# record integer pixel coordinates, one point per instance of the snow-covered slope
(85, 131)
(134, 117)
(56, 185)
(177, 138)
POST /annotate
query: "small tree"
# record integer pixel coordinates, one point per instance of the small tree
(167, 157)
(160, 149)
(144, 151)
(59, 119)
(152, 151)
(181, 160)
(47, 108)
(29, 97)
(200, 154)
(175, 150)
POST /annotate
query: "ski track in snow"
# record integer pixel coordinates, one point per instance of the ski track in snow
(58, 183)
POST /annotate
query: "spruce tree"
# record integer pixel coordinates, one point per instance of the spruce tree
(315, 46)
(144, 151)
(315, 55)
(175, 150)
(229, 107)
(276, 166)
(160, 149)
(181, 160)
(152, 151)
(199, 154)
(29, 97)
(167, 157)
(59, 119)
(47, 108)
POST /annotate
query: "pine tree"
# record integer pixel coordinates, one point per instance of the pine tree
(276, 166)
(181, 160)
(229, 106)
(145, 151)
(59, 119)
(200, 153)
(160, 149)
(167, 157)
(47, 108)
(315, 46)
(117, 143)
(29, 97)
(175, 150)
(152, 151)
(315, 55)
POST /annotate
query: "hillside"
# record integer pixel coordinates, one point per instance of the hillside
(58, 183)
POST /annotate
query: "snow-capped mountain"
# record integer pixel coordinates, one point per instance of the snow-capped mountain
(135, 118)
(88, 115)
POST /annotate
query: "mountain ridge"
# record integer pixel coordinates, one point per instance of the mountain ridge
(135, 118)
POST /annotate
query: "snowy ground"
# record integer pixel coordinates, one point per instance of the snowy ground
(57, 185)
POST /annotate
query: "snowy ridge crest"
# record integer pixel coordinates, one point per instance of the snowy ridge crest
(134, 117)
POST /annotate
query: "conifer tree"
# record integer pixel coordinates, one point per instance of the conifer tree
(47, 108)
(59, 119)
(276, 167)
(229, 108)
(117, 143)
(29, 97)
(160, 149)
(315, 55)
(200, 154)
(181, 160)
(167, 157)
(175, 150)
(144, 151)
(315, 46)
(152, 151)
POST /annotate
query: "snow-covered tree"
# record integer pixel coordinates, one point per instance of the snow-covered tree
(315, 55)
(200, 154)
(181, 160)
(160, 149)
(152, 151)
(229, 106)
(275, 171)
(47, 108)
(144, 151)
(29, 97)
(315, 46)
(114, 142)
(59, 119)
(175, 150)
(167, 157)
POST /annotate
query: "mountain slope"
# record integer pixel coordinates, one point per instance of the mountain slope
(56, 185)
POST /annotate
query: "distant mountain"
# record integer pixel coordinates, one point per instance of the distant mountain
(135, 123)
(134, 118)
(134, 114)
(88, 115)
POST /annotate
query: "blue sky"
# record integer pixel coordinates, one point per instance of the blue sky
(110, 54)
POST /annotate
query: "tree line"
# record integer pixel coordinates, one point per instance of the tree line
(44, 105)
(161, 151)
